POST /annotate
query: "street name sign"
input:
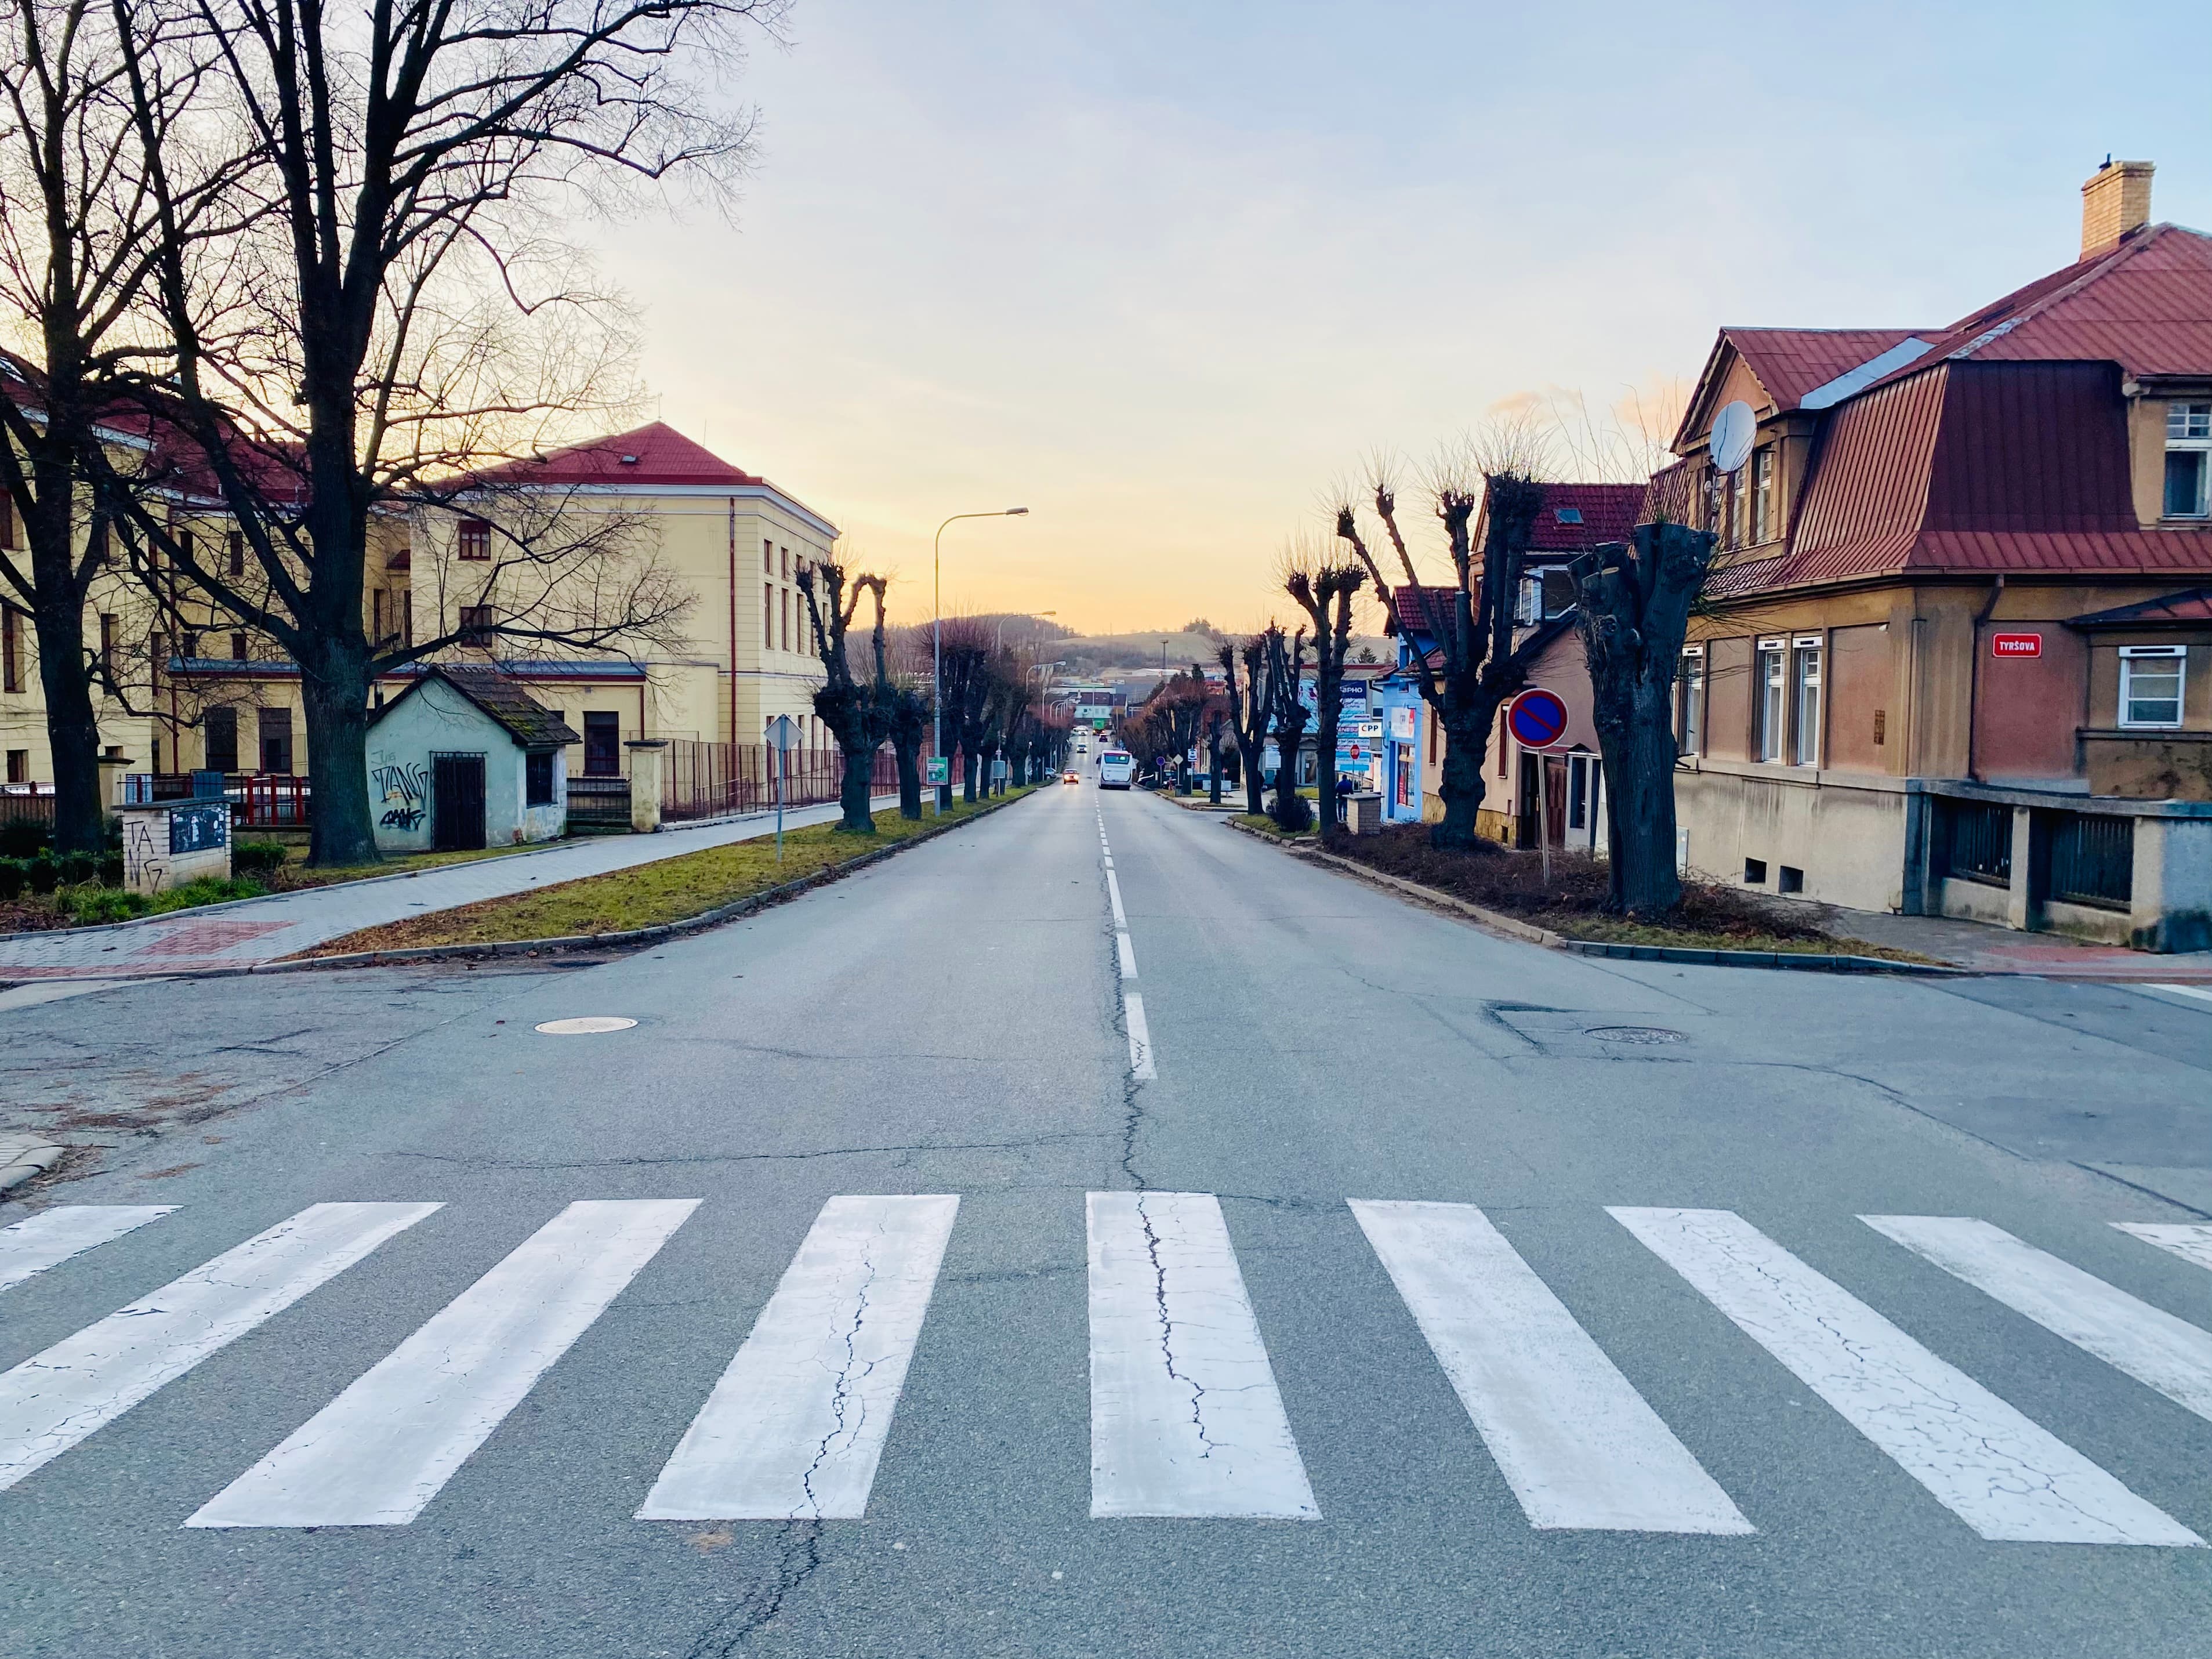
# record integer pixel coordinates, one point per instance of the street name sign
(2015, 645)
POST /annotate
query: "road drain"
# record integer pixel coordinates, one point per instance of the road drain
(1633, 1034)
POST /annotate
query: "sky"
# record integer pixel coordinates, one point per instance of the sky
(1165, 273)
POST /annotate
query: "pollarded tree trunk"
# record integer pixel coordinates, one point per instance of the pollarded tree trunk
(1466, 736)
(72, 728)
(1248, 758)
(1634, 609)
(855, 788)
(908, 757)
(334, 693)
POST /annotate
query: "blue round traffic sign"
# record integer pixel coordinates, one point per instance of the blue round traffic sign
(1537, 718)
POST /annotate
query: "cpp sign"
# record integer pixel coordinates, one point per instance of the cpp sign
(1537, 718)
(2015, 645)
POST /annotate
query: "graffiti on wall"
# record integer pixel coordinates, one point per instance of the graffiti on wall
(403, 789)
(141, 856)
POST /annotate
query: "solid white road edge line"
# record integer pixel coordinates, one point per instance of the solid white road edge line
(376, 1454)
(54, 1236)
(795, 1427)
(2003, 1475)
(2198, 992)
(1580, 1447)
(1185, 1417)
(83, 1382)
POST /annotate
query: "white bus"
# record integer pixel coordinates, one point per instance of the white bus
(1115, 768)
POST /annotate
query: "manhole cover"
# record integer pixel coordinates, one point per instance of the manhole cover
(1623, 1034)
(589, 1025)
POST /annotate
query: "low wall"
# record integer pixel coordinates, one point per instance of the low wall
(1845, 833)
(178, 842)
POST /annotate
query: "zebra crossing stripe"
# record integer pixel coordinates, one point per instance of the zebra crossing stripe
(2191, 1241)
(1185, 1417)
(55, 1399)
(2000, 1473)
(376, 1454)
(795, 1428)
(54, 1236)
(1573, 1438)
(2148, 1343)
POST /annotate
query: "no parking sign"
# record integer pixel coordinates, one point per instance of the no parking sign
(1537, 718)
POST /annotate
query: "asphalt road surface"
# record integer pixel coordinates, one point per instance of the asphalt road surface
(936, 1268)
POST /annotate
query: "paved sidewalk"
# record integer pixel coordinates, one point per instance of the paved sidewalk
(1986, 950)
(259, 931)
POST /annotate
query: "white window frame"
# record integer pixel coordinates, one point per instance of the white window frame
(1770, 698)
(1804, 744)
(2178, 655)
(1762, 495)
(2188, 432)
(1690, 704)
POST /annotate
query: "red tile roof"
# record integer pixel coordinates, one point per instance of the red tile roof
(1424, 609)
(1608, 512)
(650, 455)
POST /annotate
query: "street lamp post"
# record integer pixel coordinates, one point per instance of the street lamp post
(936, 642)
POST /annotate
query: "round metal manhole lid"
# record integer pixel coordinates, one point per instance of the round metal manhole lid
(1643, 1034)
(588, 1025)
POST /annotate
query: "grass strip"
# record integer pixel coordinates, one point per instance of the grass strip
(650, 894)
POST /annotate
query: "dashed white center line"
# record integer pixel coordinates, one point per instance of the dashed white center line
(1133, 1004)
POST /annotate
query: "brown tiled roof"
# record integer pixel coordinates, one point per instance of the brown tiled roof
(1424, 609)
(1606, 513)
(657, 455)
(2194, 606)
(530, 722)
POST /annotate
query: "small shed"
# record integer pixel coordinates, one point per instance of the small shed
(464, 758)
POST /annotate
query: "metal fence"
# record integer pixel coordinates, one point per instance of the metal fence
(271, 800)
(2093, 860)
(1974, 841)
(715, 780)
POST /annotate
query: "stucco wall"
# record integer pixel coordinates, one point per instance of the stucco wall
(437, 719)
(1846, 835)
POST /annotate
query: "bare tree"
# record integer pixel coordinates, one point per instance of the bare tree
(1635, 601)
(1325, 589)
(1464, 654)
(411, 318)
(1247, 710)
(78, 226)
(849, 706)
(966, 683)
(1287, 713)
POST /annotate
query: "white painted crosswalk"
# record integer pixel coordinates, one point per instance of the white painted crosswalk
(794, 1429)
(43, 1240)
(2003, 1475)
(1186, 1418)
(378, 1453)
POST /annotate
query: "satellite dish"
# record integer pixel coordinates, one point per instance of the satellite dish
(1733, 429)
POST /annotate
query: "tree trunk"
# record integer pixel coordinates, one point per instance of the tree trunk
(908, 755)
(335, 692)
(855, 789)
(72, 728)
(1213, 771)
(1328, 714)
(1248, 757)
(971, 764)
(1461, 785)
(1639, 773)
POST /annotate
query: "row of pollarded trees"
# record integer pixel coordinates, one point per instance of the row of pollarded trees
(990, 703)
(1634, 601)
(298, 271)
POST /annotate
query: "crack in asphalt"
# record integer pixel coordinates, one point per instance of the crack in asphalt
(798, 1557)
(644, 1162)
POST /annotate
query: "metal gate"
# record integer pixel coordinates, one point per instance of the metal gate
(457, 802)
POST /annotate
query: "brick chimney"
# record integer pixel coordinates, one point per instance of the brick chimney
(2114, 203)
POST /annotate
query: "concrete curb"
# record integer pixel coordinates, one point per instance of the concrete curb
(1801, 961)
(659, 931)
(21, 1157)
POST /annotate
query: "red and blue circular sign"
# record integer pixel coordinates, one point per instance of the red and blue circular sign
(1537, 718)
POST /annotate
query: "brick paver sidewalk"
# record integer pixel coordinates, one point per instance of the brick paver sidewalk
(262, 930)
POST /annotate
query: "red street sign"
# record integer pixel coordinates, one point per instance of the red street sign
(1537, 718)
(2015, 645)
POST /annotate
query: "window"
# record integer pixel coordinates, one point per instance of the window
(475, 539)
(107, 643)
(1568, 515)
(538, 779)
(188, 548)
(6, 524)
(768, 558)
(237, 653)
(1578, 791)
(406, 616)
(784, 609)
(1805, 700)
(1762, 495)
(376, 610)
(2150, 683)
(18, 766)
(1754, 871)
(275, 734)
(237, 554)
(767, 617)
(1739, 512)
(784, 556)
(1772, 711)
(1555, 593)
(220, 731)
(2188, 460)
(11, 648)
(477, 624)
(602, 744)
(96, 542)
(1690, 703)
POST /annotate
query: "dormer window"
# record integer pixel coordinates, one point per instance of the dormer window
(1568, 515)
(475, 539)
(2188, 460)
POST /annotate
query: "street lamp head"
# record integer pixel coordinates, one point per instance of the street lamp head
(1017, 513)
